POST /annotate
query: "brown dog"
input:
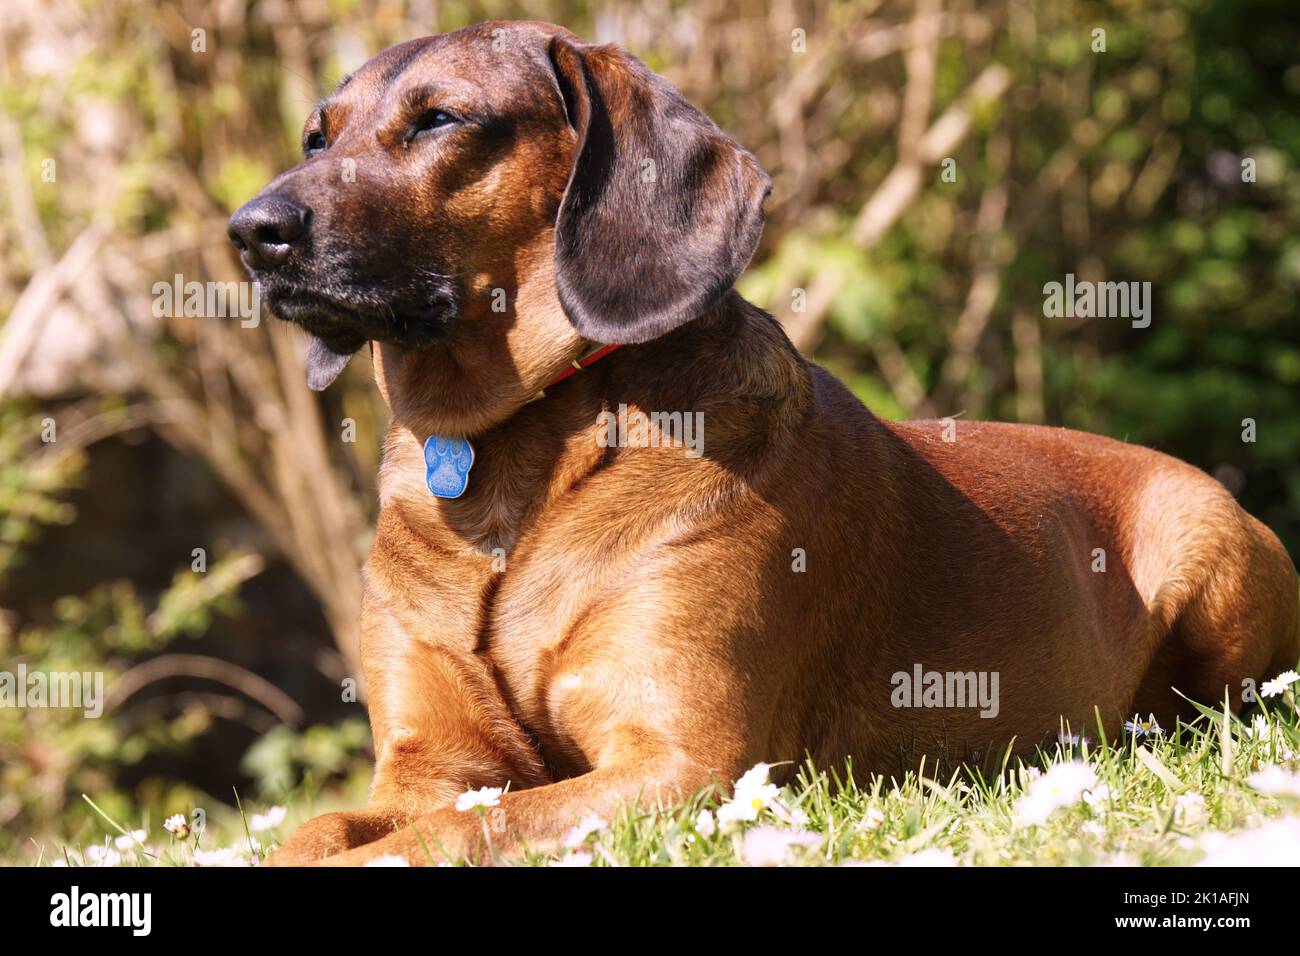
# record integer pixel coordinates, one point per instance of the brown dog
(595, 621)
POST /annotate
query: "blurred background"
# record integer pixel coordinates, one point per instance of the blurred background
(195, 528)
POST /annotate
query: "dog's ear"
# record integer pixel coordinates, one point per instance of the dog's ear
(662, 211)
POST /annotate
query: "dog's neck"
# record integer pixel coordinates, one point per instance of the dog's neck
(492, 365)
(733, 365)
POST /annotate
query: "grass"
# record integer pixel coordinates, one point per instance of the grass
(1219, 790)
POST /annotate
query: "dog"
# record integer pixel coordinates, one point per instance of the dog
(586, 622)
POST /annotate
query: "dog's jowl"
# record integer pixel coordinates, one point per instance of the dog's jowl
(645, 633)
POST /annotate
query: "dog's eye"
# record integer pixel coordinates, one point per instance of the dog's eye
(315, 143)
(428, 121)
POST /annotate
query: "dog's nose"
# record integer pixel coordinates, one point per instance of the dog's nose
(265, 229)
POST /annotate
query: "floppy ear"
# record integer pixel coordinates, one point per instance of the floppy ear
(662, 211)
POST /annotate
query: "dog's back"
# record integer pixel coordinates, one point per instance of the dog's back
(1030, 553)
(1085, 575)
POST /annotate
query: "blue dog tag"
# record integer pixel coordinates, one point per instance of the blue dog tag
(447, 462)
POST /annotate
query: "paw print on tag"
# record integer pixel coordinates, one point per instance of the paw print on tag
(447, 462)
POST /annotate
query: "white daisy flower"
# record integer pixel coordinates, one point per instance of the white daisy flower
(473, 799)
(1189, 808)
(1272, 844)
(1275, 781)
(751, 796)
(1258, 729)
(587, 826)
(755, 776)
(1063, 784)
(871, 820)
(129, 841)
(795, 818)
(1271, 688)
(1143, 728)
(177, 825)
(771, 846)
(103, 855)
(705, 825)
(1098, 798)
(261, 822)
(225, 856)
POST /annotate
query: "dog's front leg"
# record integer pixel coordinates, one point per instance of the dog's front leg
(440, 728)
(539, 818)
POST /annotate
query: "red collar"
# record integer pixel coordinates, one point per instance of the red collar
(588, 360)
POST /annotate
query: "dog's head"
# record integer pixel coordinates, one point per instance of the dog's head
(456, 183)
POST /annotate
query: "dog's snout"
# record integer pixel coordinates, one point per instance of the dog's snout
(265, 229)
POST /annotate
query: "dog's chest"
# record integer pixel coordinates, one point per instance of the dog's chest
(529, 643)
(562, 662)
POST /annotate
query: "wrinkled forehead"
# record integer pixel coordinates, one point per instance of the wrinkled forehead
(498, 64)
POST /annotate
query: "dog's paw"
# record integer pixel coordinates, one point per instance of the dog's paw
(324, 836)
